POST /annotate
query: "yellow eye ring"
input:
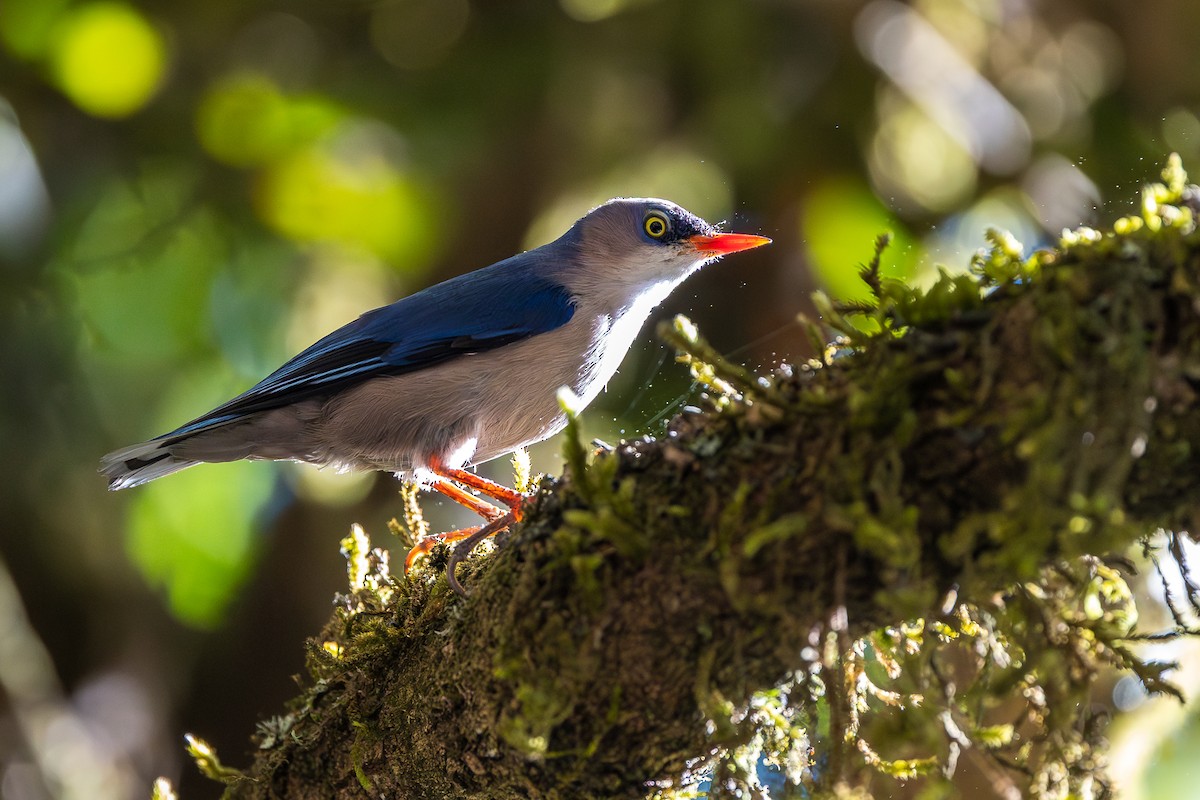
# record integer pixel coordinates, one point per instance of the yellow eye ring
(655, 226)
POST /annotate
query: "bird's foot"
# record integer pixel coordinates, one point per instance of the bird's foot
(470, 537)
(447, 483)
(463, 550)
(431, 541)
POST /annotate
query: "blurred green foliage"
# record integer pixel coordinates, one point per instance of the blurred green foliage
(841, 217)
(195, 537)
(190, 193)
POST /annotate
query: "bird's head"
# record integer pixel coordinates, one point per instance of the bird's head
(639, 241)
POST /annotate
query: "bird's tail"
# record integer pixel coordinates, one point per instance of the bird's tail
(139, 463)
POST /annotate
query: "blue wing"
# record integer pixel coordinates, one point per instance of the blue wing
(472, 313)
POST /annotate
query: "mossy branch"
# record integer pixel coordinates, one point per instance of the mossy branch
(859, 569)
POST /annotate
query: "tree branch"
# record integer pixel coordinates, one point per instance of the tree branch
(954, 459)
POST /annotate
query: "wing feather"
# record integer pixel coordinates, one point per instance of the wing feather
(474, 313)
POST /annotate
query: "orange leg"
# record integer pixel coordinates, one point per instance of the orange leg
(480, 507)
(497, 520)
(509, 497)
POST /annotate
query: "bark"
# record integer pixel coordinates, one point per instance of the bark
(963, 441)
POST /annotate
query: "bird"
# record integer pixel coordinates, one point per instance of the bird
(461, 372)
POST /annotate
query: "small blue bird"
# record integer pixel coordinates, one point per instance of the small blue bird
(461, 372)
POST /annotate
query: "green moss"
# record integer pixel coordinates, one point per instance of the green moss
(876, 561)
(1075, 443)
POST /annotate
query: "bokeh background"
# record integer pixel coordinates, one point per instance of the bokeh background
(192, 192)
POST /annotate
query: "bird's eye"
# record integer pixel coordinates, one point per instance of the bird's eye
(655, 226)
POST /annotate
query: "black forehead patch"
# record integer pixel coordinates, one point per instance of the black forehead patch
(684, 224)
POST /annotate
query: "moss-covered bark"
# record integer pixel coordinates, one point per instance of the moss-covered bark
(952, 463)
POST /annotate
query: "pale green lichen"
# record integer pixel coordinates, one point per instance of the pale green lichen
(206, 760)
(163, 790)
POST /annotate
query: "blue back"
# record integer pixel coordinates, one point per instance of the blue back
(509, 301)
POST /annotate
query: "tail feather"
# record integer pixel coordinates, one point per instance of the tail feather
(135, 465)
(282, 433)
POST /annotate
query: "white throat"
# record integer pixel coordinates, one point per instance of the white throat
(614, 334)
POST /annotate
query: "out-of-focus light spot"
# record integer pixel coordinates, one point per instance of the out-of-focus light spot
(839, 223)
(1093, 57)
(250, 300)
(914, 161)
(27, 26)
(245, 120)
(673, 172)
(595, 10)
(350, 190)
(1054, 80)
(417, 34)
(328, 486)
(1061, 195)
(1129, 693)
(280, 45)
(966, 24)
(951, 92)
(1181, 132)
(63, 751)
(956, 239)
(24, 202)
(1042, 99)
(108, 59)
(150, 309)
(117, 702)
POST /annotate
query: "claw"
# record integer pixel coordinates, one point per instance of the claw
(463, 550)
(497, 520)
(433, 540)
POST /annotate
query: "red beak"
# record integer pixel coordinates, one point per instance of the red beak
(722, 244)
